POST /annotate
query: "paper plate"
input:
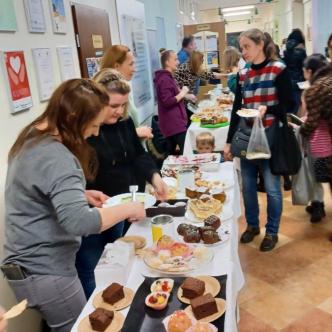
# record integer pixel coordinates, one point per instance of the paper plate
(115, 326)
(212, 286)
(145, 198)
(221, 305)
(98, 301)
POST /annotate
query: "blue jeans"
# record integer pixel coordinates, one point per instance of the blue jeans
(91, 249)
(249, 171)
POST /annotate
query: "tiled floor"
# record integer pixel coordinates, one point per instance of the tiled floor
(290, 288)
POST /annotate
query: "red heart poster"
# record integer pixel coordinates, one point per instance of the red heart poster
(18, 80)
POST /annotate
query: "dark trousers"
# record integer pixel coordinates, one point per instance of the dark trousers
(91, 249)
(174, 141)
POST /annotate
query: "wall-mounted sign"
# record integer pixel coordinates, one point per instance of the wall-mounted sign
(201, 27)
(97, 41)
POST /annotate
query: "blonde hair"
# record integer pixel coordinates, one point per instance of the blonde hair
(232, 57)
(113, 82)
(205, 137)
(195, 61)
(115, 54)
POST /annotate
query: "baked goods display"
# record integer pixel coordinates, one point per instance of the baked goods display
(192, 288)
(198, 159)
(204, 306)
(212, 188)
(203, 327)
(207, 234)
(157, 300)
(213, 120)
(173, 257)
(172, 171)
(100, 319)
(205, 206)
(113, 293)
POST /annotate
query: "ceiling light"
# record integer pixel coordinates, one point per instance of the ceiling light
(232, 9)
(181, 12)
(237, 13)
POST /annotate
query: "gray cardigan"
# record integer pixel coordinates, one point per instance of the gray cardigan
(46, 209)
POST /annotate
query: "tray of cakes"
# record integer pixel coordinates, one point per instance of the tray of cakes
(213, 188)
(172, 171)
(168, 256)
(188, 304)
(211, 233)
(193, 160)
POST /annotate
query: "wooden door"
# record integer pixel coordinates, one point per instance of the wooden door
(92, 32)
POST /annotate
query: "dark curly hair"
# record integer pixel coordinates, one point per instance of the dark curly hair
(318, 100)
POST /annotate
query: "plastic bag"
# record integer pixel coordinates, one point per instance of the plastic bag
(258, 146)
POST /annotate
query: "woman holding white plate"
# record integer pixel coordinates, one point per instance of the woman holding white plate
(122, 161)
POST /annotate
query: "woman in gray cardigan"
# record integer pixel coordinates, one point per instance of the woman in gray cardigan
(47, 207)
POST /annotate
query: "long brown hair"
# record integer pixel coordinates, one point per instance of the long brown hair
(257, 36)
(115, 54)
(72, 107)
(232, 57)
(195, 61)
(113, 82)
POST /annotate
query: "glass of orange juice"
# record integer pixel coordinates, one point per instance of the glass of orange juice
(161, 225)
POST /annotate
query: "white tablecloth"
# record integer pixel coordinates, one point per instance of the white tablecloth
(226, 259)
(220, 136)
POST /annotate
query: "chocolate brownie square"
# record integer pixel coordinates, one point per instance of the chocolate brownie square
(100, 319)
(113, 293)
(204, 306)
(192, 288)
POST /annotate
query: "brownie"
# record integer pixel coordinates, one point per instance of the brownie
(210, 237)
(212, 221)
(183, 228)
(113, 293)
(204, 306)
(205, 228)
(192, 288)
(100, 319)
(192, 236)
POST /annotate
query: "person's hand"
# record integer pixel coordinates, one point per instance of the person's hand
(293, 125)
(160, 187)
(184, 90)
(136, 211)
(191, 97)
(262, 110)
(304, 118)
(227, 152)
(96, 198)
(144, 132)
(3, 322)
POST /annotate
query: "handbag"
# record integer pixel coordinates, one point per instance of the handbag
(286, 156)
(303, 183)
(240, 140)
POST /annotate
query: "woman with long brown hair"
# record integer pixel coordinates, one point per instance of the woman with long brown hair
(121, 58)
(47, 210)
(122, 160)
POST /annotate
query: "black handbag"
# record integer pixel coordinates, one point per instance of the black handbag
(240, 140)
(286, 156)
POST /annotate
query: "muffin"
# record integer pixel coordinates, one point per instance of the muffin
(212, 221)
(192, 236)
(210, 237)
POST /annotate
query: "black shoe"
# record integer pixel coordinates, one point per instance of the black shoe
(287, 183)
(318, 212)
(249, 234)
(269, 242)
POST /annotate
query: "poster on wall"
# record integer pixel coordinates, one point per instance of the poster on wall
(154, 55)
(199, 42)
(211, 43)
(66, 62)
(93, 65)
(7, 16)
(44, 69)
(18, 82)
(58, 16)
(136, 41)
(35, 15)
(212, 59)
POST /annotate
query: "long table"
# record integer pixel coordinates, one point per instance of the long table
(225, 262)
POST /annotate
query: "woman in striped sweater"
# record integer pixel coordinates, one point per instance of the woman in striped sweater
(266, 86)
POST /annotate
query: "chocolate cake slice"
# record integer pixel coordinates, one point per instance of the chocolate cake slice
(204, 306)
(100, 319)
(113, 293)
(192, 288)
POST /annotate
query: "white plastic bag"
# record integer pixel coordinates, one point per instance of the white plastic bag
(258, 146)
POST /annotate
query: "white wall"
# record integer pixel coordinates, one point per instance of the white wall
(10, 124)
(307, 24)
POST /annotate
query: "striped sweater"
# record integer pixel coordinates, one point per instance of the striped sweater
(258, 86)
(321, 141)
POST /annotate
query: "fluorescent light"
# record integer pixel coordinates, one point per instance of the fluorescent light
(237, 13)
(181, 12)
(232, 9)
